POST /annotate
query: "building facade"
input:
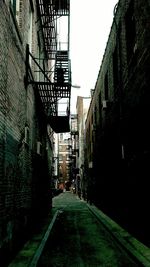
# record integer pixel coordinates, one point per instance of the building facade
(117, 131)
(25, 148)
(64, 160)
(82, 107)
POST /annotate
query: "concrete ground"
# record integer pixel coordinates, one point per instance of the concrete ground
(75, 238)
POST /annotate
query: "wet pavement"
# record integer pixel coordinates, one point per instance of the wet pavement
(80, 235)
(78, 239)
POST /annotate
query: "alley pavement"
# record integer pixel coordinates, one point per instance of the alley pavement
(80, 235)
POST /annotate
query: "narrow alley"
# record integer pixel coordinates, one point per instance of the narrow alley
(74, 183)
(80, 237)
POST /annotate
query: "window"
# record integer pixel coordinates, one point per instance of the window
(26, 139)
(61, 136)
(16, 13)
(60, 148)
(60, 157)
(15, 4)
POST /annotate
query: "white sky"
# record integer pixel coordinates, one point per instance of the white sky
(90, 23)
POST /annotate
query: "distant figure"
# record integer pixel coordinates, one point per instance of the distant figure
(60, 75)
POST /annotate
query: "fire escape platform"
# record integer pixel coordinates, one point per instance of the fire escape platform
(60, 124)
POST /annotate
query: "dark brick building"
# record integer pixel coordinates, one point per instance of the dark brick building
(117, 126)
(25, 148)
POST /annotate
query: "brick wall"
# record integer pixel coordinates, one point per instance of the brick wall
(121, 149)
(24, 174)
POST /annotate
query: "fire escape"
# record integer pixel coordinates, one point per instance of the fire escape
(53, 73)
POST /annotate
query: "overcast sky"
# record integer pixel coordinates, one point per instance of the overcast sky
(90, 23)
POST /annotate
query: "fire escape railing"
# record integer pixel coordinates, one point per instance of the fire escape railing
(53, 83)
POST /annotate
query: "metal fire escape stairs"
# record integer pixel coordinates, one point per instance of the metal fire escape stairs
(53, 82)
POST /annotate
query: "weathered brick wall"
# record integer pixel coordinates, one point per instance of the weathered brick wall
(11, 112)
(121, 153)
(20, 192)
